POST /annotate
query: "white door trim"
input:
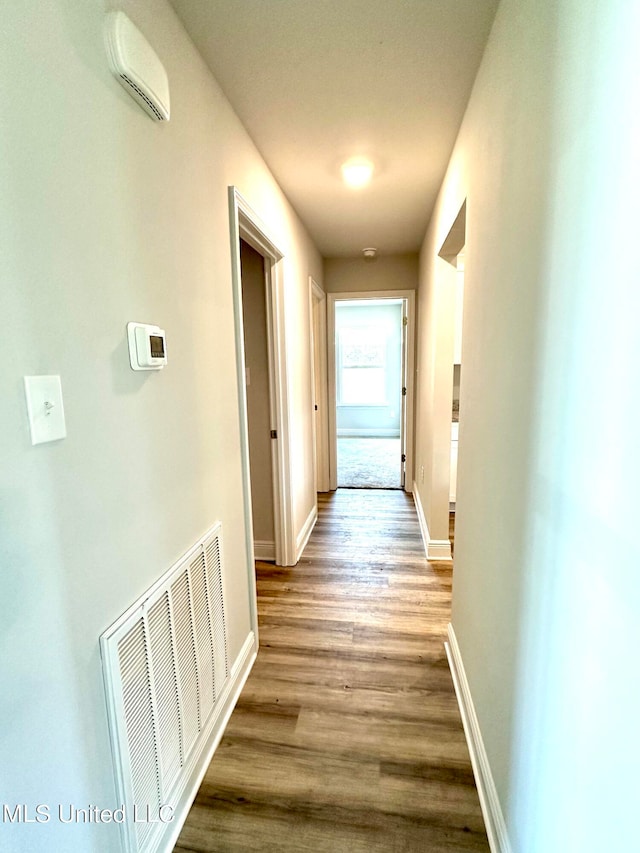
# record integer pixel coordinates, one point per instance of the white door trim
(332, 298)
(318, 299)
(245, 224)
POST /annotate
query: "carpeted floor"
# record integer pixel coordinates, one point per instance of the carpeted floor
(369, 463)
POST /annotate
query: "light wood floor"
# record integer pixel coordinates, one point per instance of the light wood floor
(347, 736)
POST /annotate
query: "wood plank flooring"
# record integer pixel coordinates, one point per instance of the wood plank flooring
(347, 736)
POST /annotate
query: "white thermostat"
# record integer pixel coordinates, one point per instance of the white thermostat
(147, 346)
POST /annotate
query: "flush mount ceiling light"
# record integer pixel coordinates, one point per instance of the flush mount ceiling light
(357, 172)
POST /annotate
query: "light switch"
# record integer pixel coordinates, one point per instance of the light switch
(45, 409)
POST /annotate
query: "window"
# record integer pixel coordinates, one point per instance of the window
(362, 375)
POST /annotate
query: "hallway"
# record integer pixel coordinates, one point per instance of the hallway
(347, 735)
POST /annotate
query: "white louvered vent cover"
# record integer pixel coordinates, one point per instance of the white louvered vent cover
(165, 666)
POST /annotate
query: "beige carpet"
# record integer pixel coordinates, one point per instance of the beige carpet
(369, 463)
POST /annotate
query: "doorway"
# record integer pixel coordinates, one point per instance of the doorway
(457, 375)
(370, 373)
(446, 413)
(259, 397)
(246, 226)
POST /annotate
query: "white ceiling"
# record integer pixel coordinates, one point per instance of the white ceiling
(318, 81)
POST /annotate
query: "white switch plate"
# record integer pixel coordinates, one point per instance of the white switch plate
(45, 409)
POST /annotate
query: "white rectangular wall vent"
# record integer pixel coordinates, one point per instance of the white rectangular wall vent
(165, 665)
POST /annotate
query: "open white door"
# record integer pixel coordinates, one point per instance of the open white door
(403, 411)
(318, 325)
(405, 465)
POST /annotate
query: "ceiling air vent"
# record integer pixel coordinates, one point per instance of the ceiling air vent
(136, 66)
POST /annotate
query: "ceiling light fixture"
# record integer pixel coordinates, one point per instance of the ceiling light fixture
(357, 172)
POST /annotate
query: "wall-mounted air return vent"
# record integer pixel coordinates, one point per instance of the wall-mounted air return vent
(165, 667)
(136, 66)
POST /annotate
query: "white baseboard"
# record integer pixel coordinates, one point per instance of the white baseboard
(435, 549)
(439, 549)
(305, 533)
(239, 674)
(421, 519)
(264, 550)
(489, 802)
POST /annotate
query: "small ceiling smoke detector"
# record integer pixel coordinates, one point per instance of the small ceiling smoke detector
(370, 254)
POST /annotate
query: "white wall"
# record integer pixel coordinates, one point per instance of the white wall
(546, 586)
(106, 217)
(387, 272)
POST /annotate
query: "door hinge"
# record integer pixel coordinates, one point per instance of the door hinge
(405, 321)
(315, 408)
(404, 457)
(404, 392)
(274, 433)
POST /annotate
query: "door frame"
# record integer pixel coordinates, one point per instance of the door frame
(319, 384)
(245, 224)
(332, 298)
